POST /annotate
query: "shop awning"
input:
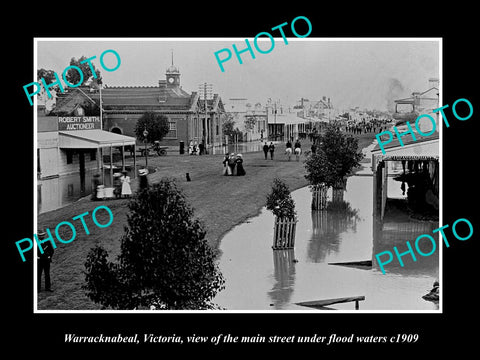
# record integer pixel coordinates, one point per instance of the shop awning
(92, 139)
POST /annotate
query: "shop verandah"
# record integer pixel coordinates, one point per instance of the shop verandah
(406, 187)
(103, 144)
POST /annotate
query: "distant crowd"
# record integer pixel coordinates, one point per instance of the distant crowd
(368, 126)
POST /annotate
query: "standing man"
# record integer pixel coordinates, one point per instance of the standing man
(43, 262)
(271, 148)
(265, 150)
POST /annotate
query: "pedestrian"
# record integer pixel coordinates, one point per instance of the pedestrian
(231, 164)
(43, 262)
(117, 185)
(226, 168)
(271, 148)
(96, 182)
(265, 150)
(126, 189)
(143, 183)
(239, 165)
(190, 147)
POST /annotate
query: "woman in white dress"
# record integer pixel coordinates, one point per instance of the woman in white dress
(126, 189)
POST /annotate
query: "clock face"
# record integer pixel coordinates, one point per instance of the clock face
(171, 80)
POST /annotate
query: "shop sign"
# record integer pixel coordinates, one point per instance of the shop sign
(78, 123)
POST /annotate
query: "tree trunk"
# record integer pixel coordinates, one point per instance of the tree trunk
(339, 190)
(337, 195)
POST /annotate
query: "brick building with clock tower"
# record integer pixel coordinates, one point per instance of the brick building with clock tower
(123, 105)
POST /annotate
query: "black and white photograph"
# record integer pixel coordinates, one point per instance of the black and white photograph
(220, 180)
(309, 225)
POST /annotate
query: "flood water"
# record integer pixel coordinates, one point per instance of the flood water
(260, 278)
(239, 148)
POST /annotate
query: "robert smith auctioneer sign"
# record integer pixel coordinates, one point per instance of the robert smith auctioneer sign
(78, 122)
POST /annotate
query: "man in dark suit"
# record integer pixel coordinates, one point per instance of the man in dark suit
(265, 150)
(43, 262)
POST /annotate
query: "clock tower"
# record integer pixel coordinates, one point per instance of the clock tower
(173, 76)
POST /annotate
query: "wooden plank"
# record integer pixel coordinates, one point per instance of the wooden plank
(364, 264)
(325, 302)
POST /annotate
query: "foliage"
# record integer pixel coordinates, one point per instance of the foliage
(341, 150)
(250, 122)
(334, 159)
(47, 75)
(73, 76)
(319, 169)
(165, 259)
(280, 201)
(229, 130)
(342, 207)
(156, 125)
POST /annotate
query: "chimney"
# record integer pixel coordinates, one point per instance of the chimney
(433, 82)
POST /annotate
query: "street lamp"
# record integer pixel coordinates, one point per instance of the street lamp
(145, 134)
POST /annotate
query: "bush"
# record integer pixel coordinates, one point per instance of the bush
(164, 260)
(334, 158)
(280, 201)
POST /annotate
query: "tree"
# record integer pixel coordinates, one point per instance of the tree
(280, 201)
(164, 261)
(320, 170)
(47, 75)
(156, 125)
(250, 122)
(334, 159)
(73, 76)
(228, 127)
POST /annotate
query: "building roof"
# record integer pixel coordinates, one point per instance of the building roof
(411, 99)
(143, 96)
(407, 141)
(129, 98)
(92, 139)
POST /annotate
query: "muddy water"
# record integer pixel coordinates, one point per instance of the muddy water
(259, 278)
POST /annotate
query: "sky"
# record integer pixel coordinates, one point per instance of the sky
(351, 72)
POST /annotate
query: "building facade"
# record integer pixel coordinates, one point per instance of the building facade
(250, 119)
(190, 118)
(70, 151)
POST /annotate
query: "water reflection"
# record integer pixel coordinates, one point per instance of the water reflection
(284, 274)
(237, 148)
(396, 234)
(327, 227)
(259, 278)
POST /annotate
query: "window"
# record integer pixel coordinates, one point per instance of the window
(39, 169)
(93, 155)
(79, 111)
(69, 156)
(172, 129)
